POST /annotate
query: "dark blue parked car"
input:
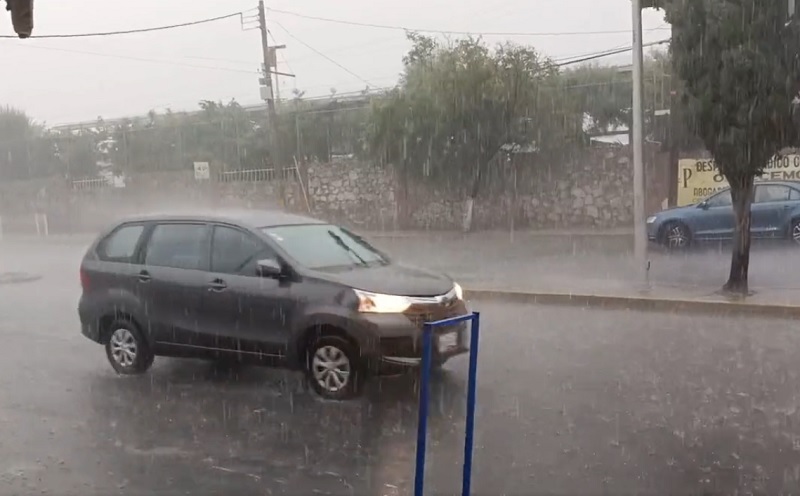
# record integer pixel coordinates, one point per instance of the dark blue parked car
(775, 215)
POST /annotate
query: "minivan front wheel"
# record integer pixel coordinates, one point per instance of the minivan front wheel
(676, 236)
(126, 349)
(333, 368)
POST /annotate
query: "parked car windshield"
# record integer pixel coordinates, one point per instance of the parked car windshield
(322, 246)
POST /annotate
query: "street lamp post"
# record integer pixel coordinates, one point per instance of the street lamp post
(639, 227)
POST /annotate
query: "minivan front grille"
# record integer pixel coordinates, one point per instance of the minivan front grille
(419, 314)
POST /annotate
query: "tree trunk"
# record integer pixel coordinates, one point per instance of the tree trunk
(742, 196)
(469, 204)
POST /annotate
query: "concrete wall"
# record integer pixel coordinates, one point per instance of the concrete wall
(593, 190)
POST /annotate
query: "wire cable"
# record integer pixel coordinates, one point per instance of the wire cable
(337, 64)
(130, 57)
(442, 31)
(133, 31)
(608, 53)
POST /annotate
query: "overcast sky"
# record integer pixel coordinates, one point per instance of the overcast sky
(68, 80)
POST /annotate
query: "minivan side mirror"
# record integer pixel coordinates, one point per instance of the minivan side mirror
(703, 205)
(269, 267)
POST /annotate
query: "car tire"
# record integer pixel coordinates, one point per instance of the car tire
(334, 369)
(794, 233)
(676, 236)
(126, 348)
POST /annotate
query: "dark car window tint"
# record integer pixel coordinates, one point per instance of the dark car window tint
(794, 195)
(771, 193)
(121, 244)
(318, 246)
(234, 250)
(721, 200)
(181, 246)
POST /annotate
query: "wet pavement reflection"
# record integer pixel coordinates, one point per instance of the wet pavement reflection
(570, 401)
(192, 424)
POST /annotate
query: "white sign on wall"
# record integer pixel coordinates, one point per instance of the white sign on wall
(201, 171)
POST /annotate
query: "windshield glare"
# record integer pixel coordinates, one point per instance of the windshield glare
(323, 246)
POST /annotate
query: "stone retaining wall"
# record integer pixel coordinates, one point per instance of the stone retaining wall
(594, 190)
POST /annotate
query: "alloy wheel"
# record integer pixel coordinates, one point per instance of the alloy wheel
(796, 233)
(123, 347)
(677, 237)
(330, 368)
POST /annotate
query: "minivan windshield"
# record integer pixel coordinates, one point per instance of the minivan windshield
(325, 246)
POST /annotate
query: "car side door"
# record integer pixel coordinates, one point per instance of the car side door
(771, 207)
(173, 278)
(714, 219)
(243, 312)
(110, 273)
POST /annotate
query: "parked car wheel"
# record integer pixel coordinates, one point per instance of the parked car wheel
(676, 236)
(795, 233)
(127, 350)
(333, 368)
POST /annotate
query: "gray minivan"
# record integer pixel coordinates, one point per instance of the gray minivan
(265, 288)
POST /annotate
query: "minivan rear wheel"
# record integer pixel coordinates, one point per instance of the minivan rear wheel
(333, 368)
(126, 349)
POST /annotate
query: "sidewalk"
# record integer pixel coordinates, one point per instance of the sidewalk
(598, 266)
(504, 234)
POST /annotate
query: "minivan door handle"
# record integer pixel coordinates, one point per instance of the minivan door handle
(217, 285)
(144, 276)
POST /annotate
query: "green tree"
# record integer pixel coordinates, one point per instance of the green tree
(738, 61)
(604, 93)
(27, 149)
(460, 103)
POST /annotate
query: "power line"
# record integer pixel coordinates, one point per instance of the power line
(608, 53)
(138, 59)
(132, 31)
(337, 64)
(442, 31)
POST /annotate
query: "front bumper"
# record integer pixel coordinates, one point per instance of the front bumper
(397, 355)
(399, 337)
(652, 231)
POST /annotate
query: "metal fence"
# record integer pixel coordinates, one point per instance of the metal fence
(257, 175)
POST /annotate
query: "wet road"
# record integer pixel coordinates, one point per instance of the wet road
(593, 264)
(571, 401)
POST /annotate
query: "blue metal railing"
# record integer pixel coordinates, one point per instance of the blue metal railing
(424, 391)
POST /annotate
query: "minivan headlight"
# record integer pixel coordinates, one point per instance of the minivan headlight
(651, 219)
(459, 291)
(381, 303)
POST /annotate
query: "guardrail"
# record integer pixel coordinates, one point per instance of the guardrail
(424, 393)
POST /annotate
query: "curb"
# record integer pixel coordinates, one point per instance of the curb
(17, 277)
(478, 234)
(643, 303)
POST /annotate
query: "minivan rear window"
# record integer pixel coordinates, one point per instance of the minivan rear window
(120, 246)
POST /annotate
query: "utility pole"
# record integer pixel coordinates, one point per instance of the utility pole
(639, 227)
(266, 93)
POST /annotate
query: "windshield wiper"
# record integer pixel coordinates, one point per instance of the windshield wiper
(347, 248)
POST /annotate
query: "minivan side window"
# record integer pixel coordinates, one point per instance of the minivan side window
(179, 246)
(236, 252)
(120, 245)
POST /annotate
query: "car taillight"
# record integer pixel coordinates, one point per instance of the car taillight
(84, 280)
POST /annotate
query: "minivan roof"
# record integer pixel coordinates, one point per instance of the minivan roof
(255, 218)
